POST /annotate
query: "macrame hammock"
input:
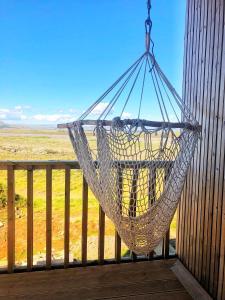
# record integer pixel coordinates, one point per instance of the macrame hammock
(138, 168)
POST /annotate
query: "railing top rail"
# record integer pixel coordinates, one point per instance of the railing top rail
(38, 164)
(72, 164)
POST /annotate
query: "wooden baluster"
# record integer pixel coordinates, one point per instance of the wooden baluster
(133, 202)
(117, 247)
(117, 237)
(67, 218)
(133, 194)
(84, 222)
(166, 240)
(29, 219)
(101, 236)
(151, 195)
(152, 186)
(11, 218)
(48, 217)
(166, 243)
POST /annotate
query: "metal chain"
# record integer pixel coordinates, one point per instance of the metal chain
(149, 6)
(148, 27)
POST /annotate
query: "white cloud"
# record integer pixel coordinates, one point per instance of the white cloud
(18, 113)
(11, 114)
(99, 108)
(126, 115)
(22, 107)
(4, 110)
(18, 107)
(3, 116)
(73, 110)
(24, 117)
(53, 117)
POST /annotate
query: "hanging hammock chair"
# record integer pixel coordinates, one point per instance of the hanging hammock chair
(135, 167)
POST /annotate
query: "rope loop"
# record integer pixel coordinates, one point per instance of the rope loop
(148, 26)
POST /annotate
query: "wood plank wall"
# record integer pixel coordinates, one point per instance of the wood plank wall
(201, 214)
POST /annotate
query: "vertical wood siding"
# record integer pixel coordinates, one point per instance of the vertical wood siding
(201, 214)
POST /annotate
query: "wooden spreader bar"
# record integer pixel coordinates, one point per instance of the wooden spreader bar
(154, 124)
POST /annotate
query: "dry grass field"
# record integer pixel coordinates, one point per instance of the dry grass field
(47, 144)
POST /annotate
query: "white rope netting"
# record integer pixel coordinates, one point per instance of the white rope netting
(138, 178)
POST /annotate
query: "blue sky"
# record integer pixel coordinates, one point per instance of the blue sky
(57, 57)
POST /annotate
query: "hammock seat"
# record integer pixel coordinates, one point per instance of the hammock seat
(135, 167)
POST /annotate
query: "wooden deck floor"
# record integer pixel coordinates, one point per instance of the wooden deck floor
(141, 280)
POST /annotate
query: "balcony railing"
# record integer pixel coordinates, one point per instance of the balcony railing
(30, 167)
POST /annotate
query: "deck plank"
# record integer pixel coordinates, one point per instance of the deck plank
(141, 280)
